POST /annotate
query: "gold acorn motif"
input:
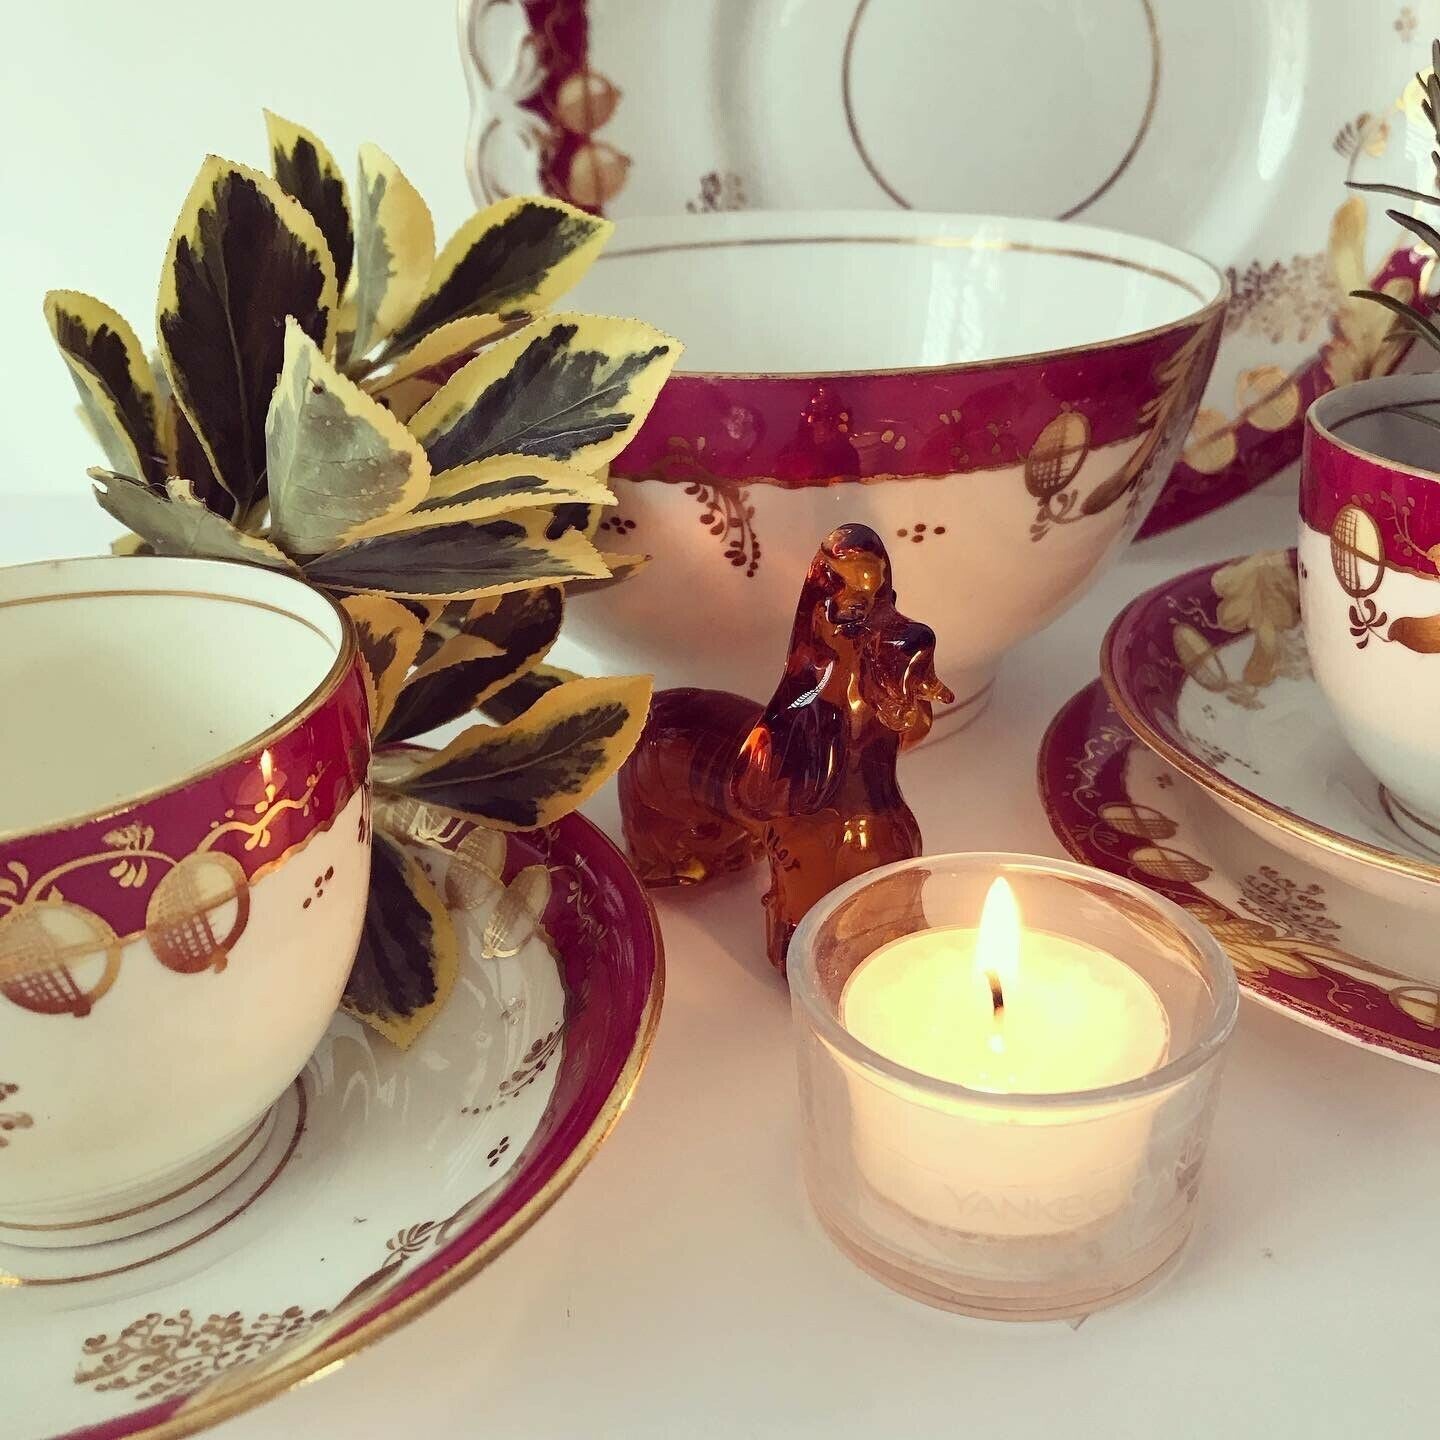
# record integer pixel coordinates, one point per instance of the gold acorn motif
(1267, 397)
(597, 173)
(1357, 552)
(1420, 1003)
(473, 879)
(1141, 820)
(517, 914)
(1057, 454)
(56, 958)
(197, 912)
(1211, 445)
(1200, 658)
(584, 101)
(1166, 864)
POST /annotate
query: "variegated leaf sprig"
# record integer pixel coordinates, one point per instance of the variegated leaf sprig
(412, 433)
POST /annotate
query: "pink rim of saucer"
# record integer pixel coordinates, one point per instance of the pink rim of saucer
(612, 1010)
(1088, 730)
(1138, 668)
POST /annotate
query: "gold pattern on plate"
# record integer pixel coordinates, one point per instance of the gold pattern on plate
(1120, 167)
(1292, 936)
(226, 1393)
(1159, 737)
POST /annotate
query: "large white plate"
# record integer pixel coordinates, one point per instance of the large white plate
(1226, 127)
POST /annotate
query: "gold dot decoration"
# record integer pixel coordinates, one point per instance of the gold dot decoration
(1357, 552)
(197, 912)
(56, 958)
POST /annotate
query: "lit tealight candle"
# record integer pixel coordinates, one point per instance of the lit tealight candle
(1008, 1011)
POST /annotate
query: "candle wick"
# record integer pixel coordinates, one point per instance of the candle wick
(997, 995)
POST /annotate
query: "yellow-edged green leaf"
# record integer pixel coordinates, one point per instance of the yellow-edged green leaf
(518, 696)
(408, 958)
(447, 343)
(394, 249)
(338, 460)
(510, 482)
(174, 522)
(389, 636)
(516, 256)
(117, 391)
(306, 171)
(499, 640)
(244, 255)
(536, 769)
(455, 558)
(572, 387)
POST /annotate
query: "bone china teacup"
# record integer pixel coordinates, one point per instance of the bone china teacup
(1370, 582)
(184, 856)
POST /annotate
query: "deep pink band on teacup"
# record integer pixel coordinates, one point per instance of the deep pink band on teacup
(149, 865)
(796, 431)
(1402, 502)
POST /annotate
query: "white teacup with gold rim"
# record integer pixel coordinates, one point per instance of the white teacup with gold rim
(1369, 565)
(184, 859)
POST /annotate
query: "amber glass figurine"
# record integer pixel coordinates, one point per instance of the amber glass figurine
(810, 778)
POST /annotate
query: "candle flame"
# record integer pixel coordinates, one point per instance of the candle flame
(267, 766)
(997, 948)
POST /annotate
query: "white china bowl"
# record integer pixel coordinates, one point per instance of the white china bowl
(999, 399)
(184, 859)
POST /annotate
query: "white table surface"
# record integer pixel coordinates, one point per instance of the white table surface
(682, 1288)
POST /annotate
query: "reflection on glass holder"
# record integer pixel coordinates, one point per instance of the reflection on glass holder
(1027, 1148)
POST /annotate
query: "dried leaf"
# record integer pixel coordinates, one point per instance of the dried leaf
(408, 958)
(394, 249)
(498, 642)
(516, 256)
(389, 639)
(573, 388)
(520, 695)
(305, 170)
(511, 482)
(338, 460)
(244, 255)
(117, 390)
(543, 765)
(174, 522)
(458, 558)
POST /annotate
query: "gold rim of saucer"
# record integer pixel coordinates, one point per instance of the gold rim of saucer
(327, 1357)
(1231, 791)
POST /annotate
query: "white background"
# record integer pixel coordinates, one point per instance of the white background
(107, 108)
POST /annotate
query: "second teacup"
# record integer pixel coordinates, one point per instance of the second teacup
(1370, 582)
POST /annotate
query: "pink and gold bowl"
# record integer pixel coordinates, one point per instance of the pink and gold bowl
(184, 858)
(1000, 399)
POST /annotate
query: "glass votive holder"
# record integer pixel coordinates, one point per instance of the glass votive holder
(1007, 1119)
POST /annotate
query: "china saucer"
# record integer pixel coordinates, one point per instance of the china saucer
(1210, 671)
(1338, 957)
(385, 1178)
